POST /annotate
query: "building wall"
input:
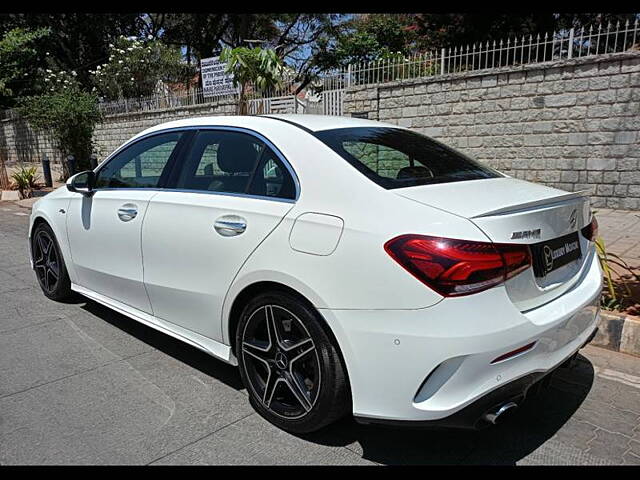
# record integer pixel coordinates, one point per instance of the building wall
(119, 128)
(572, 124)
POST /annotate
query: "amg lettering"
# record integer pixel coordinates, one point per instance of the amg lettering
(524, 234)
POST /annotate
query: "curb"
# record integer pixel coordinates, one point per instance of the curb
(9, 195)
(618, 332)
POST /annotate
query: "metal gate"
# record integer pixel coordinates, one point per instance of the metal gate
(260, 106)
(332, 102)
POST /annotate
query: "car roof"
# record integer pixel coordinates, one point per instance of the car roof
(313, 123)
(318, 123)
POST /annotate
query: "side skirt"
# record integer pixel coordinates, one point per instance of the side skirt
(212, 347)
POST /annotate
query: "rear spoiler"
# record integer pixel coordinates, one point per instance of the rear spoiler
(545, 202)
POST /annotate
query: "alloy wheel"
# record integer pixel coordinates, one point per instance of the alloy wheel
(281, 361)
(46, 262)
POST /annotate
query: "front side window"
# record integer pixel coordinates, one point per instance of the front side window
(140, 165)
(396, 158)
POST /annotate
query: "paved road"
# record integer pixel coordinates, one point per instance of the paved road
(81, 384)
(620, 230)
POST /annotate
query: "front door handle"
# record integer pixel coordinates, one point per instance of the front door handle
(127, 212)
(230, 225)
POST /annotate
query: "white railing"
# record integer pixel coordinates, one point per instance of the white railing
(195, 96)
(565, 44)
(161, 101)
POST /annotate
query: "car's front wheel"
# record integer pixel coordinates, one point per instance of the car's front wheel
(291, 368)
(48, 264)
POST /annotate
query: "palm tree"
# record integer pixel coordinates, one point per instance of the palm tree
(257, 67)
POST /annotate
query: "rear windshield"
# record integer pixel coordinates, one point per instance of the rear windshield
(396, 158)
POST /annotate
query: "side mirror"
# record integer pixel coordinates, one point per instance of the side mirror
(82, 182)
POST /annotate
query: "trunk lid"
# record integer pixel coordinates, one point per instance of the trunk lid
(508, 210)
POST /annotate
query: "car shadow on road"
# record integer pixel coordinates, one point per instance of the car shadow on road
(173, 347)
(535, 422)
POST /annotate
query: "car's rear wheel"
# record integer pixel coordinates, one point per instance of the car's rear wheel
(292, 370)
(48, 264)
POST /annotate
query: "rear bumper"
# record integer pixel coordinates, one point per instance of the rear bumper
(427, 365)
(472, 416)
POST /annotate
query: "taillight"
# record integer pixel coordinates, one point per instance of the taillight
(458, 267)
(590, 231)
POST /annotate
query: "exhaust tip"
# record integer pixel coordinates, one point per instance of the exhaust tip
(498, 414)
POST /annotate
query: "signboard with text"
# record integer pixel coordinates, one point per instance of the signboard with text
(215, 81)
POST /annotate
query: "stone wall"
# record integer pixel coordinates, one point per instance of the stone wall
(572, 124)
(119, 128)
(20, 144)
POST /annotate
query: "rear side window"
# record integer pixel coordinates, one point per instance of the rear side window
(395, 158)
(234, 162)
(220, 161)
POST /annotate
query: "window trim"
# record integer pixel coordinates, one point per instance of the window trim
(186, 146)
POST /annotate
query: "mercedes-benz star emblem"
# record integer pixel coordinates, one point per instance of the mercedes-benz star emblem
(281, 360)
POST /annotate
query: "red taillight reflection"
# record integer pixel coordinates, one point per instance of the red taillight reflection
(458, 267)
(590, 231)
(513, 353)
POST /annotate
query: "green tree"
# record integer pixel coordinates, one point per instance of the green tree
(458, 29)
(78, 41)
(19, 63)
(259, 68)
(136, 66)
(68, 116)
(299, 39)
(205, 34)
(302, 41)
(369, 37)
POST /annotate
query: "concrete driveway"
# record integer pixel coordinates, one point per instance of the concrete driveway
(80, 384)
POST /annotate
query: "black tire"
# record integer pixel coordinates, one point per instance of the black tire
(48, 264)
(323, 394)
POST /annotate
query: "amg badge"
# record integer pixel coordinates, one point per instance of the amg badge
(525, 234)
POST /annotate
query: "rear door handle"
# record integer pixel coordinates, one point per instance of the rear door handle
(230, 225)
(127, 212)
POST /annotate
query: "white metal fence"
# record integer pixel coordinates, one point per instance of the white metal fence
(565, 44)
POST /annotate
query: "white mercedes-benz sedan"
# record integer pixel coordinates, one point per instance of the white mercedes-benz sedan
(345, 265)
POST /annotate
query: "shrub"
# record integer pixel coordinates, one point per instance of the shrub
(68, 116)
(622, 282)
(25, 181)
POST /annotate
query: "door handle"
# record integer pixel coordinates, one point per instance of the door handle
(230, 225)
(127, 212)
